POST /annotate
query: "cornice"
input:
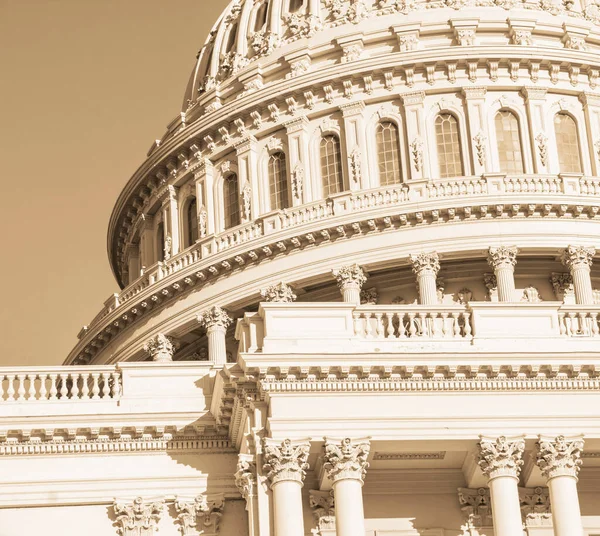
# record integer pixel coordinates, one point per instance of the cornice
(386, 218)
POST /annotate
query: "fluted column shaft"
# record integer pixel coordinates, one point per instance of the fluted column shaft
(560, 459)
(346, 463)
(350, 280)
(286, 464)
(426, 267)
(501, 460)
(579, 261)
(216, 321)
(503, 260)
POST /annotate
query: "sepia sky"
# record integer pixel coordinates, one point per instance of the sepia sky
(85, 87)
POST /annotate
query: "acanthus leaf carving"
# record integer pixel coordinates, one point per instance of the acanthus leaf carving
(323, 507)
(346, 458)
(503, 257)
(475, 505)
(425, 263)
(245, 476)
(202, 515)
(480, 147)
(285, 461)
(416, 151)
(279, 293)
(351, 276)
(578, 256)
(560, 456)
(160, 348)
(542, 146)
(298, 180)
(501, 456)
(356, 166)
(215, 317)
(139, 518)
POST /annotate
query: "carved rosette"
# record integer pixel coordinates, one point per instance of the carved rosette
(425, 264)
(139, 518)
(286, 461)
(245, 476)
(503, 257)
(575, 257)
(201, 515)
(560, 456)
(160, 348)
(323, 507)
(501, 457)
(279, 293)
(215, 317)
(346, 459)
(350, 277)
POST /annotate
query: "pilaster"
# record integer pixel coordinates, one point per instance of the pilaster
(247, 155)
(477, 120)
(205, 181)
(298, 150)
(535, 100)
(591, 109)
(354, 135)
(414, 111)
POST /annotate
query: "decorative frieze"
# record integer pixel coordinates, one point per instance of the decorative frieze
(560, 456)
(280, 293)
(138, 518)
(346, 459)
(285, 461)
(201, 515)
(501, 457)
(160, 348)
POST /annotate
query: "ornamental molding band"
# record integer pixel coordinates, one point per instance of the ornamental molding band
(425, 264)
(245, 476)
(560, 456)
(351, 276)
(322, 504)
(138, 518)
(346, 458)
(215, 318)
(501, 457)
(575, 257)
(160, 348)
(280, 293)
(503, 257)
(200, 515)
(286, 461)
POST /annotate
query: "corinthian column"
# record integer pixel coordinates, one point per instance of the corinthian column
(578, 260)
(346, 464)
(350, 280)
(560, 460)
(503, 259)
(216, 321)
(501, 460)
(286, 465)
(426, 267)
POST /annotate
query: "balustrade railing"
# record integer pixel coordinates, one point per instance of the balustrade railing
(60, 384)
(412, 322)
(356, 202)
(579, 321)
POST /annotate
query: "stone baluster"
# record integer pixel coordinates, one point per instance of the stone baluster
(503, 260)
(560, 459)
(216, 321)
(286, 465)
(426, 267)
(578, 260)
(160, 348)
(346, 464)
(501, 460)
(350, 280)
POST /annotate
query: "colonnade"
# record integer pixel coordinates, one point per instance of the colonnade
(345, 462)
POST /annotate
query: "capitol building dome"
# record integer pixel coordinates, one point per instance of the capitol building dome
(357, 288)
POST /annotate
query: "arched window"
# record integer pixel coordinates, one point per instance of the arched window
(231, 201)
(567, 142)
(160, 242)
(331, 165)
(261, 17)
(448, 145)
(510, 153)
(388, 154)
(278, 186)
(295, 5)
(192, 222)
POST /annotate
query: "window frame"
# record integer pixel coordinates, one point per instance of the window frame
(465, 168)
(520, 132)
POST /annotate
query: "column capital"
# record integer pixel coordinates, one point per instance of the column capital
(280, 293)
(215, 317)
(423, 263)
(206, 510)
(133, 517)
(245, 476)
(323, 507)
(578, 256)
(560, 456)
(351, 276)
(286, 461)
(160, 348)
(503, 257)
(346, 458)
(501, 456)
